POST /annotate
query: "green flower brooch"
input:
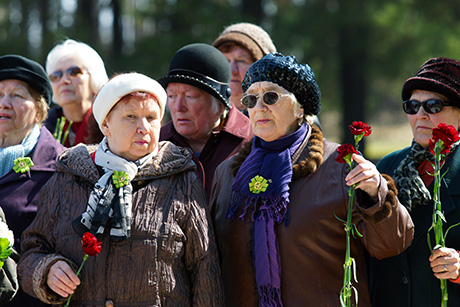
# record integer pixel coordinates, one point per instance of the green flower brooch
(22, 165)
(120, 179)
(258, 184)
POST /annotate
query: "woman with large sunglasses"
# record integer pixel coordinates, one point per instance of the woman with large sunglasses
(77, 73)
(431, 97)
(278, 204)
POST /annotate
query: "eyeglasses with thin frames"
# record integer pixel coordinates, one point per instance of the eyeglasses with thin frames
(269, 98)
(72, 72)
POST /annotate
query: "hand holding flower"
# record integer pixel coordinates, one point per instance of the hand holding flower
(445, 263)
(91, 247)
(365, 175)
(62, 279)
(444, 136)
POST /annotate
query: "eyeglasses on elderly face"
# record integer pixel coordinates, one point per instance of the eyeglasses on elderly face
(269, 98)
(72, 72)
(431, 106)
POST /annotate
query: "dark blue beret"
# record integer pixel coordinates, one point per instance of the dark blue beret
(298, 79)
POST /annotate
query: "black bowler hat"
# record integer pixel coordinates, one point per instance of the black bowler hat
(20, 68)
(202, 66)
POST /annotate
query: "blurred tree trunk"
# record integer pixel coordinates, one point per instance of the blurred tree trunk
(253, 8)
(47, 35)
(117, 43)
(86, 22)
(352, 61)
(22, 39)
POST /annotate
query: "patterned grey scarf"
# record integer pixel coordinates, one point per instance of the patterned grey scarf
(110, 206)
(412, 189)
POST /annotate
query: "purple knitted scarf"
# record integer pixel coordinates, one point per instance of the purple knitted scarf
(272, 162)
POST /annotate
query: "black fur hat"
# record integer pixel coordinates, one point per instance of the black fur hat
(20, 68)
(298, 79)
(203, 66)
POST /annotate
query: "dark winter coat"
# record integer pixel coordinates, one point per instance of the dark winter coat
(407, 279)
(170, 258)
(312, 246)
(20, 193)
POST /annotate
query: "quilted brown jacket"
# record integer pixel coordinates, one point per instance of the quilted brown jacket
(312, 245)
(170, 258)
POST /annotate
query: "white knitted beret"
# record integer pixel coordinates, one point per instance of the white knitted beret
(121, 85)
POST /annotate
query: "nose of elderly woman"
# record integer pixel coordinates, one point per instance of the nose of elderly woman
(143, 126)
(5, 101)
(180, 104)
(260, 105)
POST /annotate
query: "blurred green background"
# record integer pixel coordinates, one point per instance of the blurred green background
(362, 51)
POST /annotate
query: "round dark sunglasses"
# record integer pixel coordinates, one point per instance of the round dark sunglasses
(271, 97)
(431, 106)
(73, 71)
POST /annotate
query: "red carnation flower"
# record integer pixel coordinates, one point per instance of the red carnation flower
(445, 133)
(359, 128)
(91, 246)
(345, 151)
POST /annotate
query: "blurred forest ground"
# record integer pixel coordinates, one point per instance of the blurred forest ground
(361, 51)
(390, 132)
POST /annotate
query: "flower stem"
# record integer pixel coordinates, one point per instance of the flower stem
(77, 273)
(438, 217)
(347, 289)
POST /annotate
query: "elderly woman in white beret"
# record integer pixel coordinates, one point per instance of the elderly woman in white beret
(158, 246)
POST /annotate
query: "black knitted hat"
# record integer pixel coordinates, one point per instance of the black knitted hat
(20, 68)
(298, 79)
(440, 75)
(203, 66)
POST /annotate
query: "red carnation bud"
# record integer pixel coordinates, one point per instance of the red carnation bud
(358, 128)
(447, 134)
(345, 150)
(91, 246)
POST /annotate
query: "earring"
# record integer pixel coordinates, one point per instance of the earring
(300, 120)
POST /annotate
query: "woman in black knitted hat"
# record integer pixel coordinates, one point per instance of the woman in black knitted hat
(274, 204)
(28, 151)
(431, 97)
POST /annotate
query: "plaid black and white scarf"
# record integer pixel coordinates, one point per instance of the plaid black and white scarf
(109, 206)
(412, 189)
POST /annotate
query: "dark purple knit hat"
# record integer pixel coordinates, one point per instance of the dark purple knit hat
(298, 79)
(439, 75)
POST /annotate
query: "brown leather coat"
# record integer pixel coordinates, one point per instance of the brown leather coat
(312, 246)
(169, 260)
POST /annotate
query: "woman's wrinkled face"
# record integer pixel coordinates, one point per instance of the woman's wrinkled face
(240, 60)
(18, 112)
(192, 111)
(423, 123)
(132, 127)
(72, 89)
(272, 122)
